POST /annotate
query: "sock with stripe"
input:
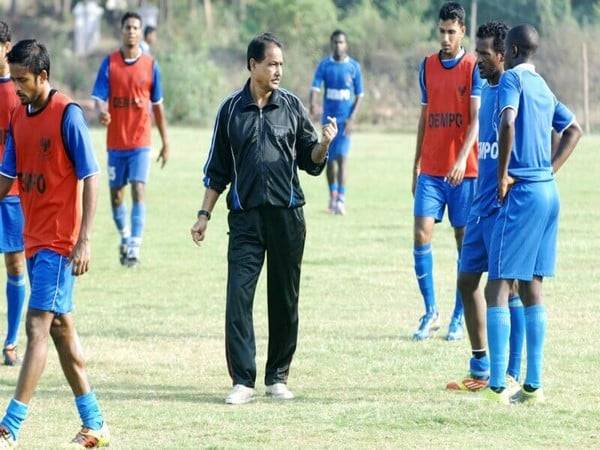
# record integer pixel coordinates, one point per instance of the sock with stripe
(15, 297)
(498, 334)
(535, 325)
(517, 336)
(424, 272)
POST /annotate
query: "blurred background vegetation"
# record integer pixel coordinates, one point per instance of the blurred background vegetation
(202, 44)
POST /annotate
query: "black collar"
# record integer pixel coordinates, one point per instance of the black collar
(247, 100)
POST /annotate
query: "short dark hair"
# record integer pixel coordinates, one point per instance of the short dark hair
(149, 29)
(4, 32)
(31, 54)
(258, 46)
(337, 33)
(496, 30)
(130, 15)
(526, 38)
(453, 11)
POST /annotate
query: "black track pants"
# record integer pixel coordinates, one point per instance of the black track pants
(280, 233)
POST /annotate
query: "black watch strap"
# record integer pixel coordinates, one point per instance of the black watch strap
(204, 212)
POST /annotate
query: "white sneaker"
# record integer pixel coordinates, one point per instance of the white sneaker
(279, 391)
(340, 208)
(239, 395)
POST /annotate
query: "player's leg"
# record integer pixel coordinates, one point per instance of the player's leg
(331, 171)
(429, 204)
(94, 432)
(517, 332)
(15, 298)
(139, 167)
(498, 331)
(117, 180)
(37, 326)
(245, 256)
(138, 220)
(547, 204)
(459, 200)
(342, 175)
(473, 262)
(342, 162)
(11, 244)
(535, 323)
(455, 327)
(285, 247)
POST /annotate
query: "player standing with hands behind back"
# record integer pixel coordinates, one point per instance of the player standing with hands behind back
(262, 135)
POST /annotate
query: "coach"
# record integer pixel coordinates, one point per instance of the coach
(262, 135)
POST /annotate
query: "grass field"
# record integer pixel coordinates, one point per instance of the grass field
(154, 336)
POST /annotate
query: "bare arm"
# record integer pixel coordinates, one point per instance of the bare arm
(5, 185)
(199, 228)
(566, 145)
(80, 256)
(102, 109)
(161, 124)
(506, 137)
(457, 173)
(420, 134)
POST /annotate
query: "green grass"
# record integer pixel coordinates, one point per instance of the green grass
(154, 337)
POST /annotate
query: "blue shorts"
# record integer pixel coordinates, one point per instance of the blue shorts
(432, 194)
(127, 166)
(52, 280)
(11, 225)
(523, 242)
(340, 146)
(474, 254)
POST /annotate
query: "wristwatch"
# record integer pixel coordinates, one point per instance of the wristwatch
(204, 212)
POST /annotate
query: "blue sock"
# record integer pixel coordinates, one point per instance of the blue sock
(15, 296)
(517, 336)
(16, 413)
(89, 411)
(424, 271)
(138, 217)
(333, 188)
(535, 324)
(120, 218)
(458, 303)
(498, 332)
(480, 367)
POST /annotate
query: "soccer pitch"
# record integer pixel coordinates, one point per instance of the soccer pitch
(154, 336)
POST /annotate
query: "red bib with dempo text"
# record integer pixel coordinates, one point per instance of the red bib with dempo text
(49, 189)
(448, 116)
(130, 85)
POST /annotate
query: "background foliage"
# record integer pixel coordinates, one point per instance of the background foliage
(202, 50)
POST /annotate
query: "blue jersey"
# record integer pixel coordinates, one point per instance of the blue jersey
(476, 85)
(538, 112)
(343, 83)
(485, 201)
